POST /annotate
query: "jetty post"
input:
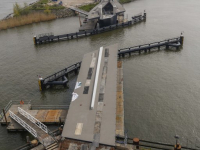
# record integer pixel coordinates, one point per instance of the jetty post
(181, 39)
(41, 84)
(136, 142)
(4, 113)
(34, 40)
(145, 15)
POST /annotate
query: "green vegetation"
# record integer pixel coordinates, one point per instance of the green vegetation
(41, 5)
(88, 7)
(124, 1)
(18, 10)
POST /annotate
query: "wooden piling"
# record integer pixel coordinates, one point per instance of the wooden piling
(177, 147)
(34, 40)
(5, 117)
(41, 84)
(136, 142)
(145, 15)
(181, 39)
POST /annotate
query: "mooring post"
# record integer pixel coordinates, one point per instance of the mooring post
(35, 40)
(5, 117)
(41, 84)
(136, 142)
(60, 120)
(27, 139)
(181, 39)
(145, 15)
(177, 147)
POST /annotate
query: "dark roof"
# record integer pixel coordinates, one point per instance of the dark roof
(94, 13)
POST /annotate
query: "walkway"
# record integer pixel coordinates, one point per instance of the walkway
(92, 112)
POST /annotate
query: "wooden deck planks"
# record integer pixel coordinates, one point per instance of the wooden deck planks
(120, 101)
(44, 116)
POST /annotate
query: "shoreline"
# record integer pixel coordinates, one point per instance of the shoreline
(10, 21)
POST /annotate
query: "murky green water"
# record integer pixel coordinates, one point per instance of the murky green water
(161, 89)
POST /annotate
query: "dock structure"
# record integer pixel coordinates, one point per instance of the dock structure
(120, 101)
(92, 112)
(46, 38)
(44, 113)
(174, 43)
(58, 78)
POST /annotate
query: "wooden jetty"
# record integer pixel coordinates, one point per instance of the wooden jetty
(63, 74)
(43, 38)
(45, 114)
(174, 42)
(58, 78)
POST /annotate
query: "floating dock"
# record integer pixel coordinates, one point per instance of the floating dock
(46, 38)
(47, 116)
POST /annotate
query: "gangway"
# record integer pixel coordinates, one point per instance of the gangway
(78, 10)
(34, 126)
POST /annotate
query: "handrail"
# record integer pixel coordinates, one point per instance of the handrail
(33, 120)
(62, 72)
(23, 124)
(7, 107)
(151, 44)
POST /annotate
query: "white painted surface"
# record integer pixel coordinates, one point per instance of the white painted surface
(96, 78)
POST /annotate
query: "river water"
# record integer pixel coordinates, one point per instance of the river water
(6, 7)
(161, 89)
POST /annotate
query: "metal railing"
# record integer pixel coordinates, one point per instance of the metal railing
(80, 34)
(151, 44)
(7, 107)
(33, 120)
(23, 124)
(62, 72)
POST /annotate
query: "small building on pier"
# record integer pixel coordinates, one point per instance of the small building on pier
(106, 13)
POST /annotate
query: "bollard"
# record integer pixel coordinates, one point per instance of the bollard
(177, 147)
(27, 139)
(34, 40)
(41, 84)
(181, 39)
(136, 142)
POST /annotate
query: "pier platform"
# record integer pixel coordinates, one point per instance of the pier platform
(45, 116)
(92, 112)
(120, 101)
